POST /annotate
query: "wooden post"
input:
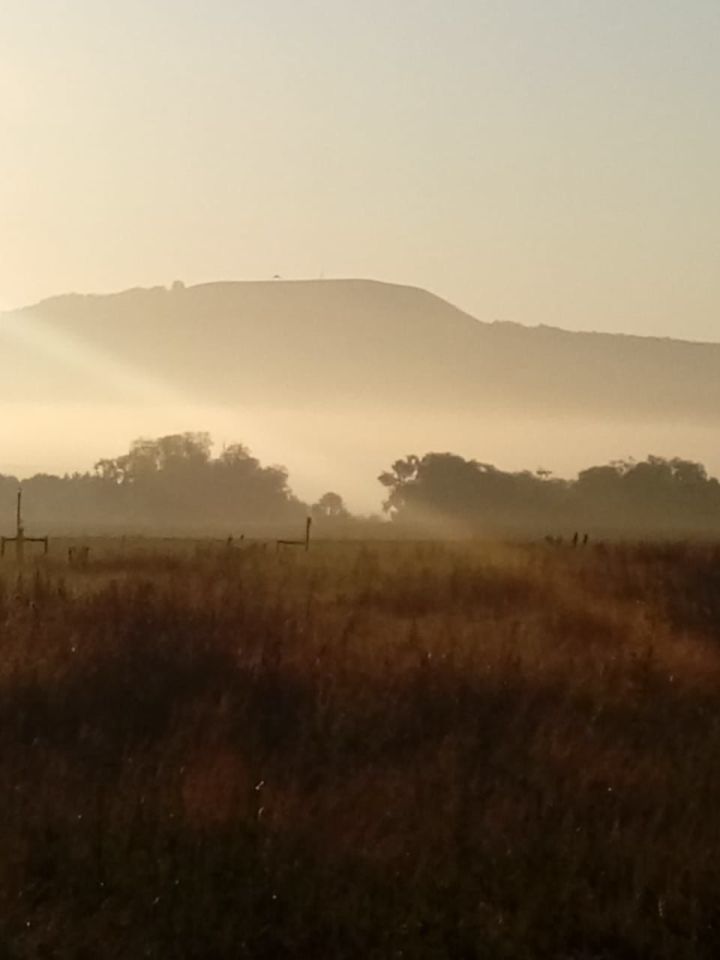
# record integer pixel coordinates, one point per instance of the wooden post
(296, 543)
(20, 539)
(20, 536)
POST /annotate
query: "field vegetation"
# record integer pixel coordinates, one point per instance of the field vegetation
(368, 751)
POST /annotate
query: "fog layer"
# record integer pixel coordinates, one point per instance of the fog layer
(335, 379)
(339, 450)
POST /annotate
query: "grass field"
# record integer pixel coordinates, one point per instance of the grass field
(370, 751)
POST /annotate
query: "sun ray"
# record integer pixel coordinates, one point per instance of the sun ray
(76, 356)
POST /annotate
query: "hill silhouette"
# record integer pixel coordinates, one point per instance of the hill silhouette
(350, 343)
(335, 378)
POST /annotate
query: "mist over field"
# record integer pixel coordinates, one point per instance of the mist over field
(336, 379)
(343, 450)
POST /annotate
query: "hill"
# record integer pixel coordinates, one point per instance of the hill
(344, 369)
(346, 342)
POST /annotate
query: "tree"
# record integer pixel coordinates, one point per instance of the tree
(446, 485)
(399, 480)
(330, 506)
(177, 452)
(175, 480)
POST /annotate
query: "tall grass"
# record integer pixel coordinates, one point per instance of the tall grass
(379, 751)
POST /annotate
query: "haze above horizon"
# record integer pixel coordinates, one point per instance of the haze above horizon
(536, 163)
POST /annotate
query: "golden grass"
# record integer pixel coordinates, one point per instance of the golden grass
(383, 750)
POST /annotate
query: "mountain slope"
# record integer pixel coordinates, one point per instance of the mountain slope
(341, 344)
(336, 379)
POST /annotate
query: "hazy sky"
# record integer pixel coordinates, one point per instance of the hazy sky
(543, 161)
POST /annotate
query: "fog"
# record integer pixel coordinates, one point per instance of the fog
(342, 450)
(336, 380)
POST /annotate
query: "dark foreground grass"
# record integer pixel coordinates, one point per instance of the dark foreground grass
(370, 752)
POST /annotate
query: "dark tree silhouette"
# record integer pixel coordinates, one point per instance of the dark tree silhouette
(175, 484)
(330, 506)
(653, 495)
(168, 483)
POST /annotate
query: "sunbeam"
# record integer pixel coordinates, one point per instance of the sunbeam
(75, 357)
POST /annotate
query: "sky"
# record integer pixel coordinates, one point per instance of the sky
(539, 161)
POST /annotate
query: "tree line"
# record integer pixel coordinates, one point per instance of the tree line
(656, 495)
(175, 484)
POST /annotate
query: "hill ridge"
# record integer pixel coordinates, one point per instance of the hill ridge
(347, 283)
(337, 378)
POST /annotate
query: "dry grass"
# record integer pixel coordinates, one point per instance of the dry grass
(381, 751)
